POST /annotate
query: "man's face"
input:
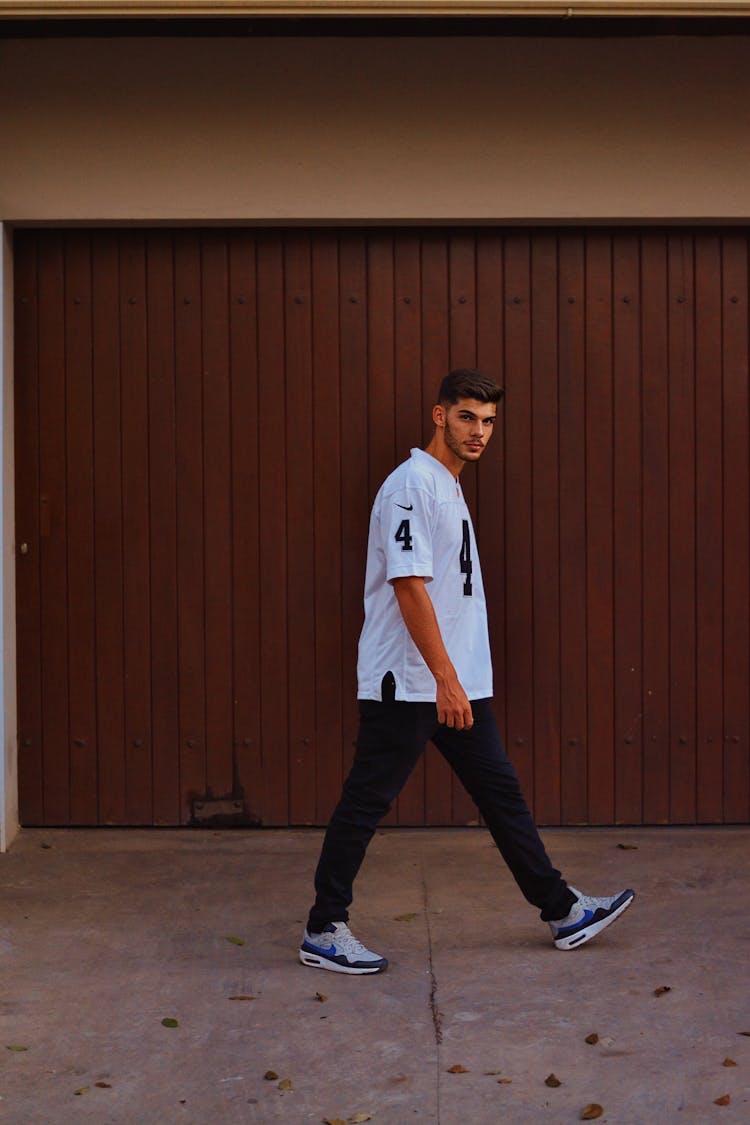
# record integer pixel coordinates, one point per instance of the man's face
(468, 426)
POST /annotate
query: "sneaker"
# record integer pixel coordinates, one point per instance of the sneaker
(338, 949)
(588, 917)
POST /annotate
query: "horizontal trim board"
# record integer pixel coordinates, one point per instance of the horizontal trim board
(485, 27)
(68, 9)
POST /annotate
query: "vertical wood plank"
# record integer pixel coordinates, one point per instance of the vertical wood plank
(300, 508)
(80, 539)
(682, 652)
(628, 546)
(108, 528)
(53, 530)
(573, 579)
(709, 538)
(599, 438)
(462, 298)
(463, 353)
(355, 494)
(408, 426)
(490, 508)
(190, 546)
(655, 527)
(435, 365)
(217, 515)
(518, 505)
(244, 421)
(274, 561)
(328, 525)
(136, 530)
(162, 441)
(545, 528)
(380, 373)
(736, 803)
(28, 578)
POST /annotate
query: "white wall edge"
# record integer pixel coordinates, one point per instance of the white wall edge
(8, 707)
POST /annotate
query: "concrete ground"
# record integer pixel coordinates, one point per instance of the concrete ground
(103, 934)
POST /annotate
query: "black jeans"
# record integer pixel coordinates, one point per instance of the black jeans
(391, 738)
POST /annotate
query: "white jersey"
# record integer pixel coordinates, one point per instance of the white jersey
(420, 525)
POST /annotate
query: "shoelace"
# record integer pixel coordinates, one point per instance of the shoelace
(345, 941)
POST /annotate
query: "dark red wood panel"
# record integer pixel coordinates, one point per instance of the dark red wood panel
(28, 541)
(80, 530)
(519, 564)
(300, 528)
(545, 476)
(202, 421)
(108, 529)
(573, 574)
(709, 529)
(435, 362)
(53, 499)
(243, 437)
(736, 492)
(162, 439)
(599, 522)
(682, 473)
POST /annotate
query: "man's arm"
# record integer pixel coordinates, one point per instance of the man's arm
(453, 706)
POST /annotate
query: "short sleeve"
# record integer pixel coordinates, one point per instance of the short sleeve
(406, 520)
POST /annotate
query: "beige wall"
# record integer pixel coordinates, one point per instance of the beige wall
(366, 129)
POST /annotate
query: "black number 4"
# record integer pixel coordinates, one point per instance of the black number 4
(403, 535)
(465, 560)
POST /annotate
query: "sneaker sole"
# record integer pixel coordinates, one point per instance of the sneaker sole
(591, 931)
(314, 962)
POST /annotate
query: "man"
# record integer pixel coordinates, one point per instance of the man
(425, 673)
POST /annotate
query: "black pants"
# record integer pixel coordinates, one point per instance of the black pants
(391, 738)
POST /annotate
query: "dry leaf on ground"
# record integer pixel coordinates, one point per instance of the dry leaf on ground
(321, 997)
(591, 1111)
(724, 1100)
(83, 1090)
(405, 917)
(729, 1062)
(662, 989)
(457, 1069)
(270, 1076)
(592, 1038)
(333, 1121)
(104, 1085)
(553, 1081)
(168, 1021)
(504, 1081)
(15, 1047)
(235, 940)
(358, 1118)
(285, 1084)
(628, 847)
(243, 998)
(743, 1032)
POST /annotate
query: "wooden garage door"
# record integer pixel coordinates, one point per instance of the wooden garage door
(202, 421)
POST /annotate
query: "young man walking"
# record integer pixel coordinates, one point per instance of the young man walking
(424, 673)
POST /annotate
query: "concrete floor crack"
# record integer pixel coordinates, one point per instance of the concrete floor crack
(437, 1017)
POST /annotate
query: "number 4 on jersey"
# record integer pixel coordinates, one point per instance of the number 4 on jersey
(403, 535)
(465, 559)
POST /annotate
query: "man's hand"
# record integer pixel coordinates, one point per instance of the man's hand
(453, 706)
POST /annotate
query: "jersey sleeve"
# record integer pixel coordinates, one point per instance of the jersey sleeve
(406, 520)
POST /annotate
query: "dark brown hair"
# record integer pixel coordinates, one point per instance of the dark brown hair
(467, 382)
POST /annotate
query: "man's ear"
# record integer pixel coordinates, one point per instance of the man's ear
(438, 415)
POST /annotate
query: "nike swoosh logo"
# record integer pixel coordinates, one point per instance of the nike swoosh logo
(407, 508)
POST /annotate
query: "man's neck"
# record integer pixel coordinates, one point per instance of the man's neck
(440, 451)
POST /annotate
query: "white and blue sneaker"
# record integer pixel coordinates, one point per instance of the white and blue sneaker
(588, 917)
(337, 949)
